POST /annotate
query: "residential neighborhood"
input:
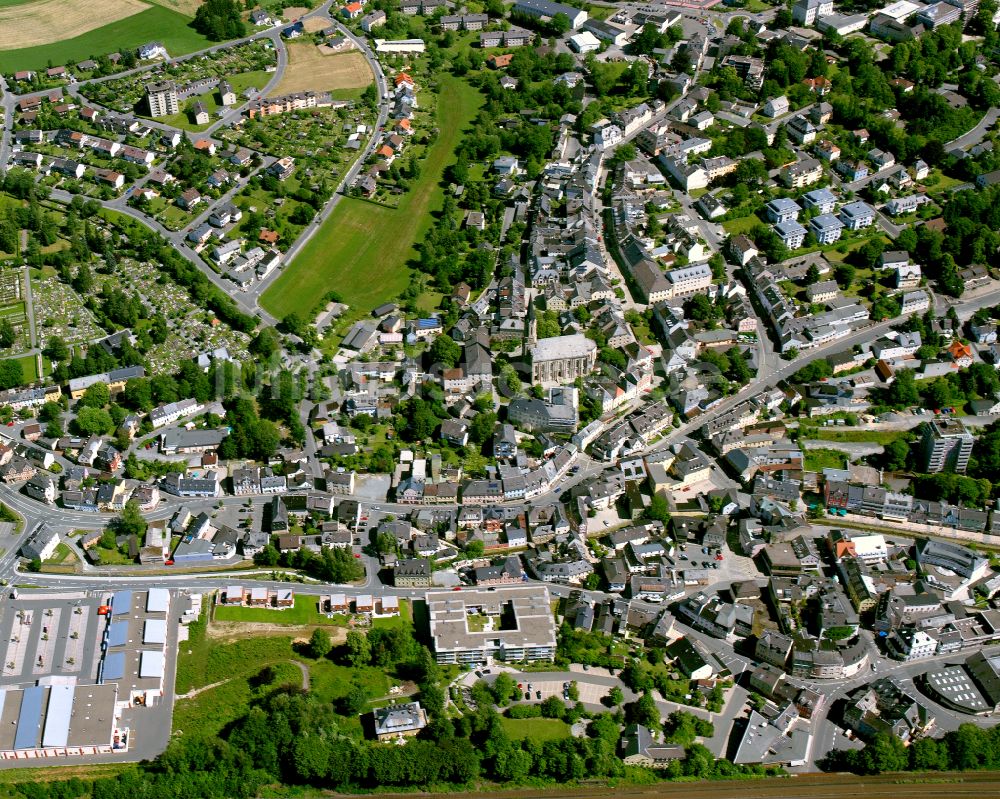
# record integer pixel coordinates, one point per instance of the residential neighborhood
(506, 395)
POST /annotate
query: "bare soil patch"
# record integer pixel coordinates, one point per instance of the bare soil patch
(314, 24)
(185, 7)
(229, 631)
(309, 69)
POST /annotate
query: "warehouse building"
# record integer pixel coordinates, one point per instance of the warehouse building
(81, 672)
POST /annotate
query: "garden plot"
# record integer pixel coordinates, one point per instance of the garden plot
(242, 65)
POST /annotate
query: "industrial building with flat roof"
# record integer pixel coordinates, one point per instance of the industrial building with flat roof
(81, 671)
(480, 626)
(77, 719)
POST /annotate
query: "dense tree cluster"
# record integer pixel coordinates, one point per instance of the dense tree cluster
(969, 748)
(419, 418)
(731, 363)
(330, 565)
(977, 382)
(220, 20)
(250, 436)
(954, 488)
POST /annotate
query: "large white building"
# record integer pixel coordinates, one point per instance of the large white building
(806, 12)
(562, 359)
(483, 626)
(584, 42)
(870, 548)
(689, 280)
(172, 411)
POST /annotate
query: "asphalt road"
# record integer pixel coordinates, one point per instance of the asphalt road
(978, 133)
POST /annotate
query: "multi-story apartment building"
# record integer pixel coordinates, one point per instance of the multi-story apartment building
(162, 98)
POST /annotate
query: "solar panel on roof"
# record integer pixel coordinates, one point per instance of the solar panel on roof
(113, 666)
(30, 718)
(118, 633)
(121, 602)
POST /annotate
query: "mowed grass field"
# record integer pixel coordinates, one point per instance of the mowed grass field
(854, 436)
(540, 729)
(304, 612)
(152, 22)
(362, 250)
(309, 69)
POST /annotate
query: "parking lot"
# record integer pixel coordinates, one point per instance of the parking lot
(540, 690)
(731, 568)
(539, 686)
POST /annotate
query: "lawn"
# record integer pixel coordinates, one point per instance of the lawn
(362, 250)
(157, 22)
(52, 773)
(600, 12)
(304, 612)
(539, 729)
(858, 436)
(941, 183)
(475, 622)
(202, 661)
(210, 711)
(29, 368)
(350, 95)
(816, 460)
(429, 301)
(404, 619)
(330, 681)
(743, 224)
(749, 7)
(62, 554)
(113, 557)
(63, 561)
(15, 309)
